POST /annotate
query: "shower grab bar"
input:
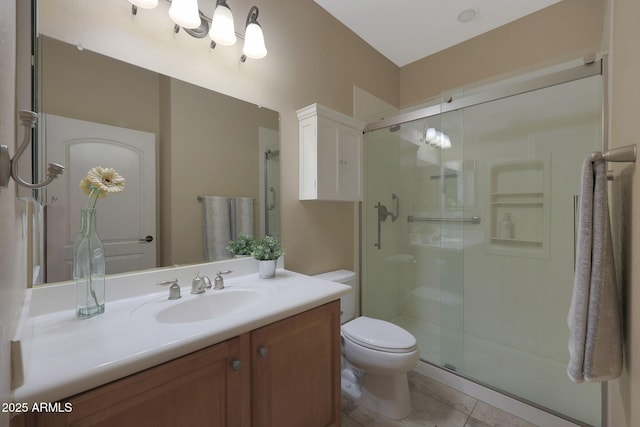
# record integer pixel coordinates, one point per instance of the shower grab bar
(473, 219)
(395, 216)
(272, 205)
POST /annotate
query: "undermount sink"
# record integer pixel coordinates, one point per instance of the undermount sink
(210, 305)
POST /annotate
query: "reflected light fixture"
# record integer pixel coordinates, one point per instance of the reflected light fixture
(254, 47)
(185, 13)
(222, 29)
(437, 139)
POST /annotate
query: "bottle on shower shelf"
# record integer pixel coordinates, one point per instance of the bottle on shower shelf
(506, 226)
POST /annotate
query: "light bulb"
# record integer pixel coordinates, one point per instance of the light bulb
(185, 13)
(445, 142)
(254, 42)
(436, 141)
(222, 30)
(430, 134)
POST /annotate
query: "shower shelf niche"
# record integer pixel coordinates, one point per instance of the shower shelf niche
(519, 189)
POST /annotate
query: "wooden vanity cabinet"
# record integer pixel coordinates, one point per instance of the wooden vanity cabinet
(289, 375)
(199, 389)
(295, 370)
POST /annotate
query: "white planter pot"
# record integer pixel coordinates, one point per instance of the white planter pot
(267, 268)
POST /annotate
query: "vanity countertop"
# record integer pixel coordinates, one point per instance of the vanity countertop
(63, 355)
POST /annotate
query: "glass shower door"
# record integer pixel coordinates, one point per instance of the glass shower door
(518, 276)
(478, 265)
(413, 234)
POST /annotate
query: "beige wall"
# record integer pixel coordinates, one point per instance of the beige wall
(625, 111)
(214, 152)
(567, 30)
(12, 244)
(82, 85)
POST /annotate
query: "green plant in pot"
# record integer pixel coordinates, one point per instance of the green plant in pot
(242, 245)
(267, 250)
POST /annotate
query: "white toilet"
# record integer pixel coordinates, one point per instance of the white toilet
(378, 356)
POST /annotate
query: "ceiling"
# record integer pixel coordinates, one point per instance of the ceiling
(407, 30)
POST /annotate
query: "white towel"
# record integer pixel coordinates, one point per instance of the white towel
(241, 217)
(217, 227)
(595, 339)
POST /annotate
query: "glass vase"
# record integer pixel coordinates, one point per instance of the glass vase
(89, 268)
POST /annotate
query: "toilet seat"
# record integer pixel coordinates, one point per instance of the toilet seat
(379, 335)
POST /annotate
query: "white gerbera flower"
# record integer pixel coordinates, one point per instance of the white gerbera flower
(100, 182)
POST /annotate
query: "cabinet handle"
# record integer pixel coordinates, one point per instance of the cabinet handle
(236, 364)
(263, 351)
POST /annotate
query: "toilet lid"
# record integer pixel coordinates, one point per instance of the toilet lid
(379, 335)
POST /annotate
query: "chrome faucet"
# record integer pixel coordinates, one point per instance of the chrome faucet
(200, 284)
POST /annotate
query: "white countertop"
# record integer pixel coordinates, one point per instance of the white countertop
(63, 355)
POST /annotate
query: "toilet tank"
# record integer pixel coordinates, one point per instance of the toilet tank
(347, 302)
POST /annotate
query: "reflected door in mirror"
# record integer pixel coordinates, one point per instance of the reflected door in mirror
(126, 220)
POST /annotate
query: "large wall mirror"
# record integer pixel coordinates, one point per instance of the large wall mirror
(174, 143)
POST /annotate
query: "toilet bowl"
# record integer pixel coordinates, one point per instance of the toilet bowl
(376, 357)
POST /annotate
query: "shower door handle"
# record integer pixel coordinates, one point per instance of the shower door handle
(383, 213)
(272, 205)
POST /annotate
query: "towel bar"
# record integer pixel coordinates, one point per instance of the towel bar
(201, 198)
(620, 154)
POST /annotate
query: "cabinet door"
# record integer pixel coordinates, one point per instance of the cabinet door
(329, 134)
(200, 389)
(296, 370)
(349, 164)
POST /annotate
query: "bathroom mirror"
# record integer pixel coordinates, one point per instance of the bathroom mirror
(206, 144)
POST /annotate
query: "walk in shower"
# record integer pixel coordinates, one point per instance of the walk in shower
(468, 232)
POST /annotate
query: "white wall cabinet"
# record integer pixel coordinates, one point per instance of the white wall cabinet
(330, 155)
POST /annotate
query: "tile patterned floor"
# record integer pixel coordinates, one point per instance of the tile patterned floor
(434, 405)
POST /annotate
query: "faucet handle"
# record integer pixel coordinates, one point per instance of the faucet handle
(219, 281)
(174, 289)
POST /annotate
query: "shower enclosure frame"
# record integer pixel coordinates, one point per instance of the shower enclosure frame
(500, 90)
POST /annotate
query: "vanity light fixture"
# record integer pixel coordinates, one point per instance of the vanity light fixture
(220, 27)
(254, 47)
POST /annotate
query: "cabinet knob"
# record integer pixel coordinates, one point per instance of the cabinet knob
(236, 364)
(263, 351)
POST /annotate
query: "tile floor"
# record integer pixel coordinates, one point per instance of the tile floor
(434, 405)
